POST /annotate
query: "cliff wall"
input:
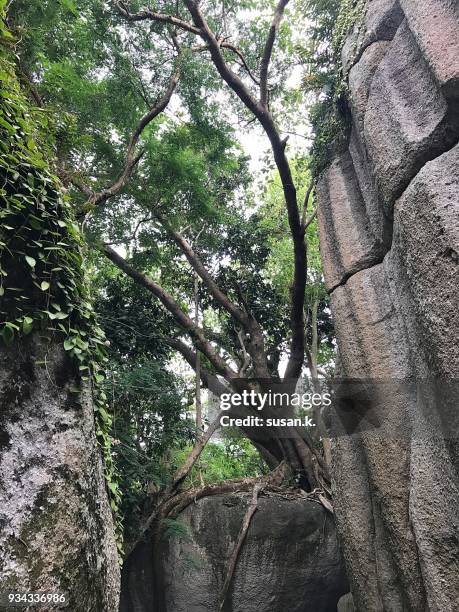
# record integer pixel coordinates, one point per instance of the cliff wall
(389, 227)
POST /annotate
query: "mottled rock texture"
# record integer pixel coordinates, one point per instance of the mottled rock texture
(389, 227)
(56, 530)
(289, 561)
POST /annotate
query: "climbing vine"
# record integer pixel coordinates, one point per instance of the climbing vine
(350, 17)
(42, 284)
(329, 116)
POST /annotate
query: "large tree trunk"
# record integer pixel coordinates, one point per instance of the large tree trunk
(388, 215)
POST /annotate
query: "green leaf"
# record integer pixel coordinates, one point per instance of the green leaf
(27, 325)
(30, 260)
(69, 344)
(70, 6)
(44, 286)
(61, 315)
(8, 334)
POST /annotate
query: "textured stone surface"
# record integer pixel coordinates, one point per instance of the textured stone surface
(435, 24)
(56, 525)
(379, 216)
(290, 560)
(346, 235)
(396, 476)
(382, 18)
(407, 121)
(346, 604)
(361, 77)
(368, 327)
(425, 260)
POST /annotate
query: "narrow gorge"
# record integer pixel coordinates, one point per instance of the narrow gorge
(168, 239)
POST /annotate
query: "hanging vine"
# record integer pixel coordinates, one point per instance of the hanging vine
(42, 284)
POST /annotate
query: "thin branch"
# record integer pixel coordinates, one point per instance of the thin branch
(183, 471)
(240, 541)
(306, 203)
(246, 361)
(177, 504)
(310, 219)
(134, 234)
(149, 15)
(238, 52)
(209, 380)
(267, 53)
(193, 456)
(197, 265)
(133, 157)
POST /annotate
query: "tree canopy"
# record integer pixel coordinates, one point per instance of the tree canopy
(215, 254)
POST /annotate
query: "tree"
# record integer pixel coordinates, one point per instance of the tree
(171, 175)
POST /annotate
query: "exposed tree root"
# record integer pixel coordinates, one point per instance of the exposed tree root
(240, 541)
(172, 507)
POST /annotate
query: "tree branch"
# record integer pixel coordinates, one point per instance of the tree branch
(267, 53)
(240, 541)
(194, 455)
(132, 157)
(209, 380)
(278, 147)
(149, 15)
(306, 203)
(200, 27)
(197, 265)
(310, 219)
(170, 304)
(177, 504)
(246, 362)
(236, 51)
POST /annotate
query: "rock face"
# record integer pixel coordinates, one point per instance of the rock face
(389, 228)
(56, 525)
(289, 561)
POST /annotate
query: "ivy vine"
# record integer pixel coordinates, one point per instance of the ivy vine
(351, 18)
(42, 283)
(330, 116)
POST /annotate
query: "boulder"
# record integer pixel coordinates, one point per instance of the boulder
(395, 425)
(407, 120)
(289, 561)
(423, 266)
(57, 530)
(380, 22)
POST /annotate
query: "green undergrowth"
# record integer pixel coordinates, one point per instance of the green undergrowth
(43, 288)
(233, 457)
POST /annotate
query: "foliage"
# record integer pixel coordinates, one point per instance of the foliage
(96, 76)
(150, 418)
(179, 530)
(329, 116)
(279, 263)
(233, 457)
(42, 285)
(350, 16)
